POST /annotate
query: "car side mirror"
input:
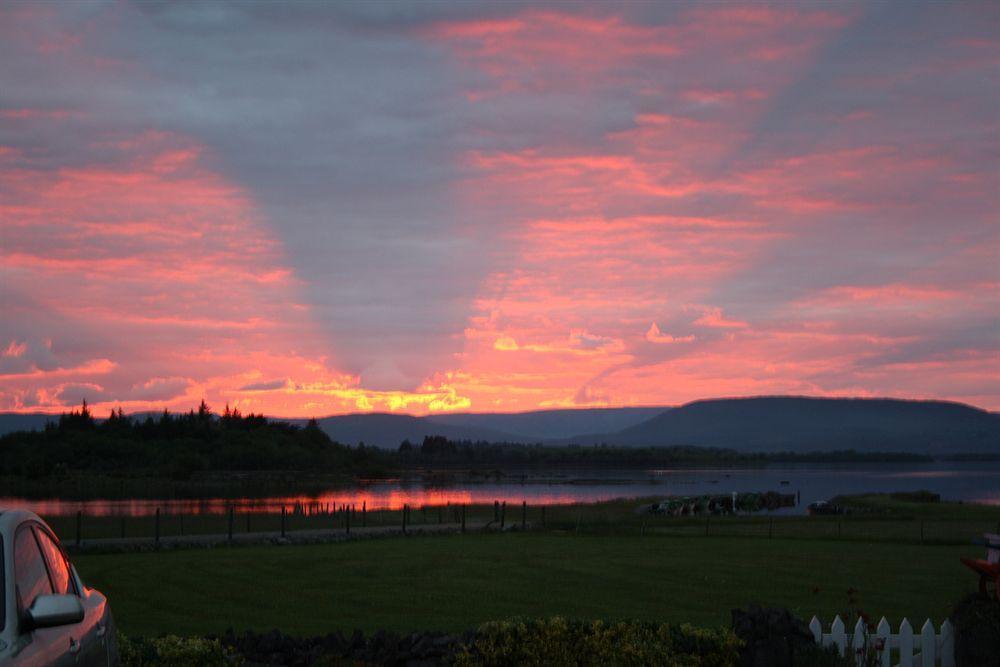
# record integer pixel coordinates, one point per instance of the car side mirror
(51, 610)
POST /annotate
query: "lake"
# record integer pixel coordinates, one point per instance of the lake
(966, 481)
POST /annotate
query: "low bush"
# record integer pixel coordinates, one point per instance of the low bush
(559, 641)
(773, 637)
(174, 651)
(976, 618)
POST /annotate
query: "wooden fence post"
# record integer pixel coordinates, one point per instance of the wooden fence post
(364, 514)
(883, 632)
(248, 519)
(905, 643)
(282, 520)
(947, 644)
(928, 644)
(817, 629)
(503, 514)
(347, 523)
(79, 525)
(404, 518)
(496, 510)
(463, 518)
(838, 636)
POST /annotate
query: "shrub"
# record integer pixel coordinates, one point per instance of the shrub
(559, 641)
(977, 630)
(174, 651)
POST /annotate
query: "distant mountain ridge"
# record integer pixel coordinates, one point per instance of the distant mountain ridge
(24, 421)
(552, 424)
(765, 424)
(801, 424)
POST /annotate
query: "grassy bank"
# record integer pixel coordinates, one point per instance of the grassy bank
(874, 518)
(457, 582)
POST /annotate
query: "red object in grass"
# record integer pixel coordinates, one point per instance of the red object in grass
(989, 569)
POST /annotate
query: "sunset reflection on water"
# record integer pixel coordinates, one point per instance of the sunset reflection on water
(966, 481)
(370, 499)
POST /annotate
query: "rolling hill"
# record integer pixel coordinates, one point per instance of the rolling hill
(800, 424)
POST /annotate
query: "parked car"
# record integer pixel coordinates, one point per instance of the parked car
(47, 615)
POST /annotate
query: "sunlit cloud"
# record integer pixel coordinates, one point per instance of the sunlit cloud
(495, 208)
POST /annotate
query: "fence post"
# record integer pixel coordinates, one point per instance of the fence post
(248, 519)
(524, 514)
(817, 629)
(463, 518)
(837, 634)
(347, 524)
(496, 510)
(282, 520)
(947, 644)
(905, 644)
(884, 633)
(503, 514)
(928, 644)
(404, 518)
(157, 537)
(231, 519)
(858, 640)
(439, 515)
(79, 524)
(364, 514)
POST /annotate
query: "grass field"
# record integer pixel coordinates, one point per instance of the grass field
(456, 582)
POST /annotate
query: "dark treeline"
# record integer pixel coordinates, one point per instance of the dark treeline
(180, 445)
(440, 450)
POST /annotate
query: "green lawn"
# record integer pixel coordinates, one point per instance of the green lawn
(456, 582)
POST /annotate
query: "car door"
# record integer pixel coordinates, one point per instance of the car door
(43, 646)
(91, 631)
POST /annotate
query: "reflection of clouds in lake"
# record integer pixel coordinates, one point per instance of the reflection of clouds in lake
(963, 481)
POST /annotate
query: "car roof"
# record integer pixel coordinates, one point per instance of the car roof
(11, 518)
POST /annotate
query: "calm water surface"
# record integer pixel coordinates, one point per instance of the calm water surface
(971, 482)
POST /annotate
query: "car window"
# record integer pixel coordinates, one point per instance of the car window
(58, 567)
(30, 576)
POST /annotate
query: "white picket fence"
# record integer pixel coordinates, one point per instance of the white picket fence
(902, 649)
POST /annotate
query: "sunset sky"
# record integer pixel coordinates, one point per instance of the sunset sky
(316, 208)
